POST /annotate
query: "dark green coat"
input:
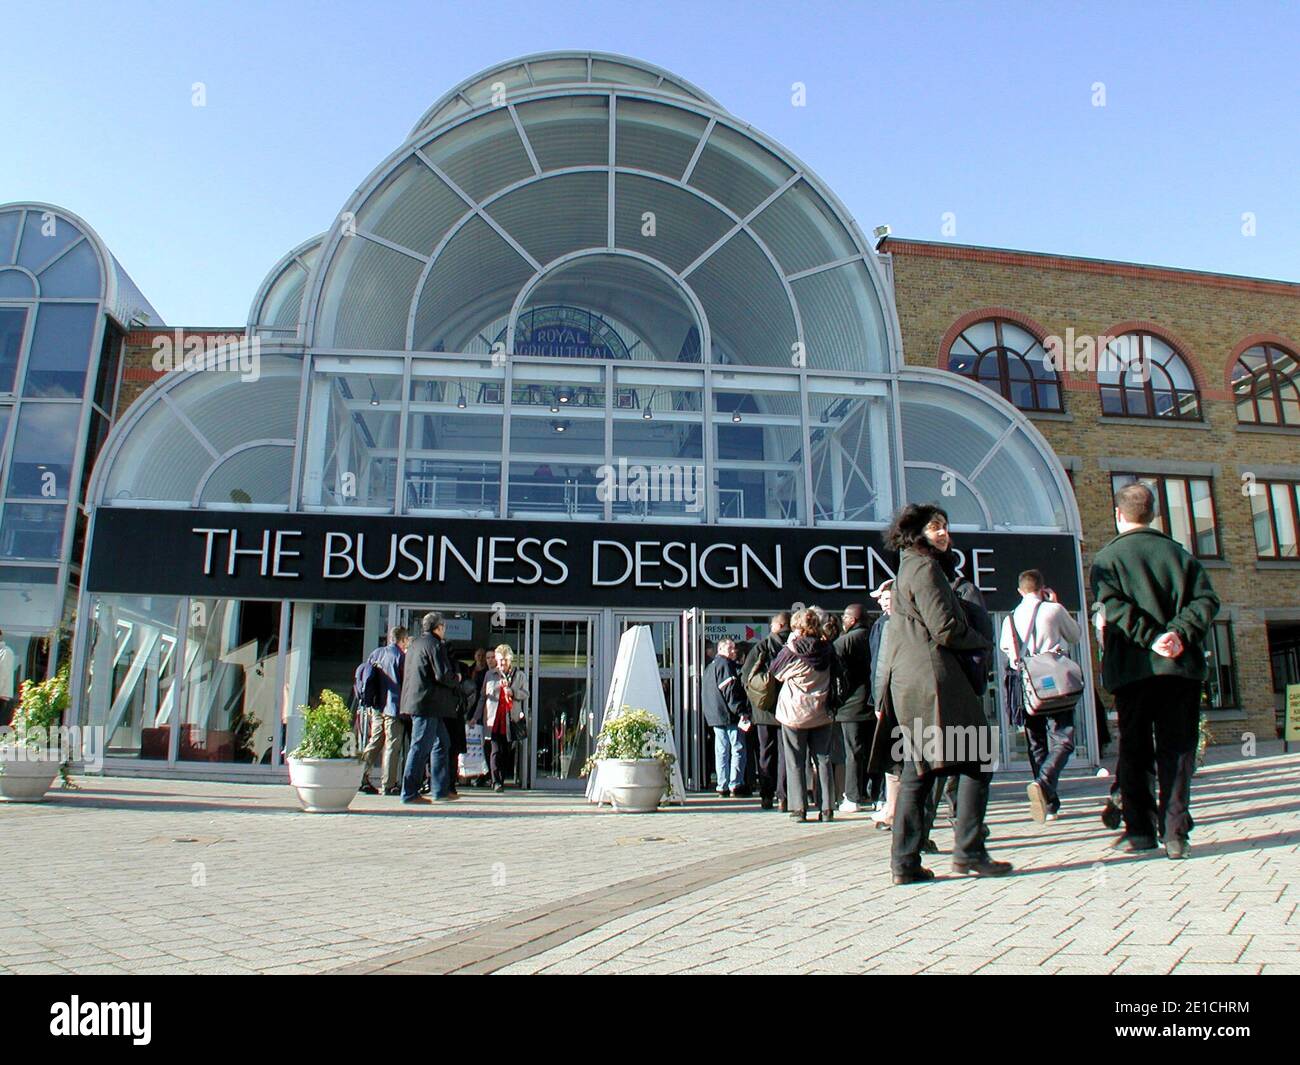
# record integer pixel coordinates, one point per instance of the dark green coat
(1148, 585)
(927, 688)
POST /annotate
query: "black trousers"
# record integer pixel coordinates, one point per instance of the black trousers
(858, 785)
(497, 754)
(1050, 742)
(910, 817)
(1159, 718)
(771, 762)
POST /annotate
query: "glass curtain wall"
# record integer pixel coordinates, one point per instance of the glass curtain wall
(131, 671)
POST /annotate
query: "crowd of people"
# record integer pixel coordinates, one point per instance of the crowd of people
(841, 713)
(421, 700)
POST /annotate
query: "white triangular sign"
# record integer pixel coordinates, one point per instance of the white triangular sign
(636, 684)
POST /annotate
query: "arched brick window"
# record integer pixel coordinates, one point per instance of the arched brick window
(1143, 376)
(1266, 386)
(1008, 359)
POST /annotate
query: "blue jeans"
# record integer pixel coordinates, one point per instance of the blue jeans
(729, 754)
(429, 746)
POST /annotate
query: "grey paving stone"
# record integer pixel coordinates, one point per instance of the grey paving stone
(700, 902)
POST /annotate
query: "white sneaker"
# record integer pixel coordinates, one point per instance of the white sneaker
(848, 806)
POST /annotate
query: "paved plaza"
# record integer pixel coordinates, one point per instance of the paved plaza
(151, 876)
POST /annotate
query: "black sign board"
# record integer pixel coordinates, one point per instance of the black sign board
(369, 558)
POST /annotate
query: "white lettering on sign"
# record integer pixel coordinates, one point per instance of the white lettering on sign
(595, 562)
(207, 548)
(281, 553)
(846, 567)
(978, 571)
(332, 553)
(661, 565)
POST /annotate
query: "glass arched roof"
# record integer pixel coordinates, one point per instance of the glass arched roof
(602, 69)
(685, 236)
(49, 253)
(459, 224)
(979, 458)
(277, 307)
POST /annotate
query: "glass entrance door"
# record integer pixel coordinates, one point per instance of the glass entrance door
(563, 712)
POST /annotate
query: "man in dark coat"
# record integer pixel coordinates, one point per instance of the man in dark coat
(430, 695)
(722, 698)
(771, 763)
(857, 716)
(1158, 606)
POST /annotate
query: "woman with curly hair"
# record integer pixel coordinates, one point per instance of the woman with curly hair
(928, 692)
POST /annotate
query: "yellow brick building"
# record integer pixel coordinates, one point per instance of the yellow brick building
(991, 313)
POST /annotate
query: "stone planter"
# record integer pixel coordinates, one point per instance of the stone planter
(325, 785)
(632, 785)
(26, 781)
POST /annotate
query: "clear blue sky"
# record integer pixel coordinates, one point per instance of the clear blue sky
(914, 109)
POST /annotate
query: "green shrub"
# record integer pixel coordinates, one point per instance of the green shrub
(39, 713)
(327, 729)
(633, 734)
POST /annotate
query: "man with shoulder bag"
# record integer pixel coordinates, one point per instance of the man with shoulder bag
(1043, 686)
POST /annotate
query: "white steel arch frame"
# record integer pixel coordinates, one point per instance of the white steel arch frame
(528, 61)
(159, 394)
(105, 301)
(713, 117)
(108, 286)
(1017, 421)
(688, 294)
(291, 260)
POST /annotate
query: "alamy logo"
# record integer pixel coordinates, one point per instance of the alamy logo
(134, 1019)
(660, 483)
(224, 353)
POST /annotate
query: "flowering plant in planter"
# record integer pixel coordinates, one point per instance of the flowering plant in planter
(634, 735)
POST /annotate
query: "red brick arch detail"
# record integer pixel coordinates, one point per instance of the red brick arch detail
(1248, 343)
(1169, 337)
(1040, 333)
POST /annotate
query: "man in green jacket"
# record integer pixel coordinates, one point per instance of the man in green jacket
(1158, 606)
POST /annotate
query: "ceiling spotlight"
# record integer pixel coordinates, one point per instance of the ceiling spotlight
(563, 395)
(735, 416)
(460, 403)
(374, 396)
(647, 414)
(560, 425)
(826, 416)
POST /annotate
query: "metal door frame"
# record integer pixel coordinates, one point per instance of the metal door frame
(527, 753)
(689, 726)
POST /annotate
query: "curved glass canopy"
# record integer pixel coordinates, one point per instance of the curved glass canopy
(660, 210)
(524, 294)
(499, 82)
(277, 307)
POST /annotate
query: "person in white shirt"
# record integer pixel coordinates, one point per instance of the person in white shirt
(1042, 625)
